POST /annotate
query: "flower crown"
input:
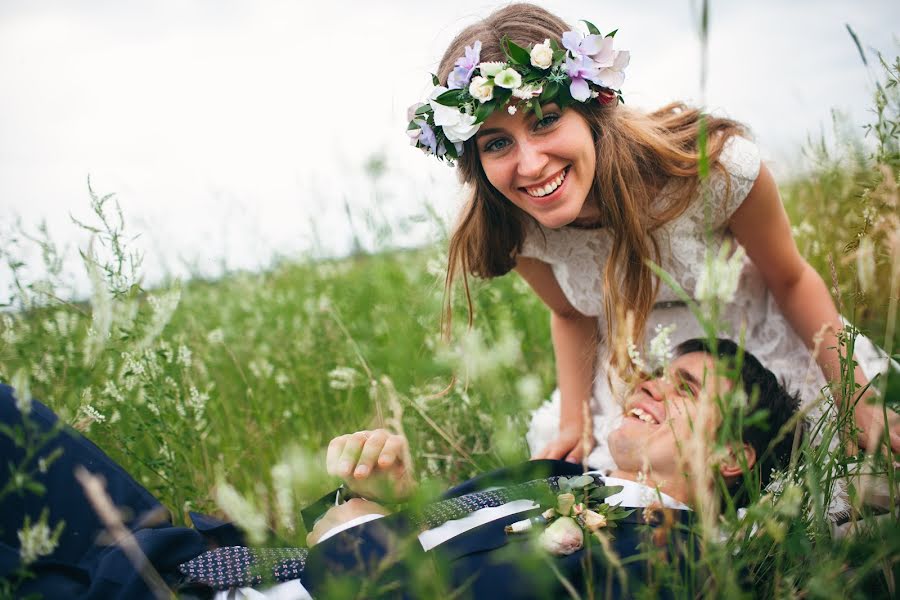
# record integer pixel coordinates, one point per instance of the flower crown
(586, 67)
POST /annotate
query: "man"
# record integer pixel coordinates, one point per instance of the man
(358, 547)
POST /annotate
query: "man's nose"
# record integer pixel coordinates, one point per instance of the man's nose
(532, 160)
(655, 388)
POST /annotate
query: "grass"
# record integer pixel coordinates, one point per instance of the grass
(205, 387)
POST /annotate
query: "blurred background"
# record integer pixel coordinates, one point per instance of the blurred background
(235, 133)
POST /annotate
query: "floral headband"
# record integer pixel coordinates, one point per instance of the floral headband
(586, 67)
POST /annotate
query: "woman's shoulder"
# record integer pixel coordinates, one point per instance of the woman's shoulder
(740, 157)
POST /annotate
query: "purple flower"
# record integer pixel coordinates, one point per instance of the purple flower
(465, 66)
(581, 46)
(427, 138)
(580, 71)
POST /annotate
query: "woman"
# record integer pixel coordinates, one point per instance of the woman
(578, 193)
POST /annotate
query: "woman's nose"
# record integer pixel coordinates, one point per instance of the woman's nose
(532, 160)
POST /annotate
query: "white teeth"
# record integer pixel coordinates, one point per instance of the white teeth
(642, 415)
(548, 188)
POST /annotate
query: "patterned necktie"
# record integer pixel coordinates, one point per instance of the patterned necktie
(239, 566)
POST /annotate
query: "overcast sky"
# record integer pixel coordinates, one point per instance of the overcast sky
(235, 130)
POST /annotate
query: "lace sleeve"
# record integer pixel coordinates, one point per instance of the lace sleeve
(535, 243)
(740, 159)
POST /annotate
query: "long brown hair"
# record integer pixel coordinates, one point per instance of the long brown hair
(637, 154)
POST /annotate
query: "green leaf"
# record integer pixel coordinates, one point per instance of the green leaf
(605, 491)
(424, 109)
(517, 54)
(450, 98)
(549, 92)
(592, 29)
(581, 480)
(612, 33)
(412, 125)
(484, 111)
(501, 95)
(534, 104)
(435, 80)
(558, 56)
(555, 47)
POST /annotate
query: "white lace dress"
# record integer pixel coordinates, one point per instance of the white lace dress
(578, 256)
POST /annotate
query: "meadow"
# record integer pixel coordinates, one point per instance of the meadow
(219, 396)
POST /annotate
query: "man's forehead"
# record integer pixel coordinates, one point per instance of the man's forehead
(700, 365)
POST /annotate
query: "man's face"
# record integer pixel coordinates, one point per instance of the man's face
(662, 414)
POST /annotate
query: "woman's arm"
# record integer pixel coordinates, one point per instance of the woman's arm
(575, 347)
(761, 225)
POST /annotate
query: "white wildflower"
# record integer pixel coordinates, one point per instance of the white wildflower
(261, 368)
(197, 400)
(35, 541)
(283, 484)
(344, 378)
(661, 352)
(478, 359)
(529, 389)
(281, 380)
(511, 109)
(91, 413)
(719, 279)
(635, 357)
(163, 307)
(9, 336)
(242, 511)
(216, 336)
(22, 392)
(184, 356)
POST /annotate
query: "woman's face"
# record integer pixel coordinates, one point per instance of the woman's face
(544, 166)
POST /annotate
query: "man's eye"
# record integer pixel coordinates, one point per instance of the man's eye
(686, 389)
(547, 121)
(496, 145)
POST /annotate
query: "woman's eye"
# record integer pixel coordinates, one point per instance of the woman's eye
(547, 121)
(496, 145)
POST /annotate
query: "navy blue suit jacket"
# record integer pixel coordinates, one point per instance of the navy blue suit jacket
(483, 562)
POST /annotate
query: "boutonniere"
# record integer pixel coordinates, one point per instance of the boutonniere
(578, 508)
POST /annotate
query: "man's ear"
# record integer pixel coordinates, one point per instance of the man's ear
(732, 465)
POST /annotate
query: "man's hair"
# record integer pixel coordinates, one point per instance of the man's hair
(770, 396)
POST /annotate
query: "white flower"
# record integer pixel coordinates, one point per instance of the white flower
(511, 109)
(661, 345)
(216, 336)
(542, 55)
(526, 92)
(719, 280)
(92, 413)
(242, 511)
(481, 88)
(490, 69)
(562, 537)
(593, 520)
(22, 391)
(457, 126)
(35, 541)
(343, 378)
(508, 78)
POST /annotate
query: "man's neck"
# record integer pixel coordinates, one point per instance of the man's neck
(668, 486)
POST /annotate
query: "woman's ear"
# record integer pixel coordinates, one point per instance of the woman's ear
(733, 465)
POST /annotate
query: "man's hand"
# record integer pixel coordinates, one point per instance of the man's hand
(375, 464)
(344, 513)
(567, 446)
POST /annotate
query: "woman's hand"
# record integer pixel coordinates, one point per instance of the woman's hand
(567, 445)
(374, 464)
(870, 419)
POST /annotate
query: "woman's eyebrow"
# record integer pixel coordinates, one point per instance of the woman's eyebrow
(482, 132)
